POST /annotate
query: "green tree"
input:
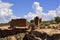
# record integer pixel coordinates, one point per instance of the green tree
(57, 19)
(32, 21)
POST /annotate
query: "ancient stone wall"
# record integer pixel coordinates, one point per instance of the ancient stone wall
(40, 20)
(37, 21)
(18, 22)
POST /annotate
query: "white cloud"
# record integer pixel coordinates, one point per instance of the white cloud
(58, 11)
(30, 16)
(36, 6)
(14, 17)
(39, 12)
(52, 13)
(6, 13)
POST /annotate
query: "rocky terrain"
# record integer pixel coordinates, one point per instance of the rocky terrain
(38, 34)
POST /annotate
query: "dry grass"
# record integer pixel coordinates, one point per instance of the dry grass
(48, 31)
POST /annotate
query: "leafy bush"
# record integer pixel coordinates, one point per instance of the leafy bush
(57, 19)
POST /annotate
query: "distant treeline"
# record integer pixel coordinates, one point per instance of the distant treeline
(4, 24)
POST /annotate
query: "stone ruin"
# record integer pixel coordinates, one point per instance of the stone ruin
(16, 26)
(23, 23)
(37, 21)
(18, 23)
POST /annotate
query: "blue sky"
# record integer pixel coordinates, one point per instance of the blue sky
(45, 9)
(22, 7)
